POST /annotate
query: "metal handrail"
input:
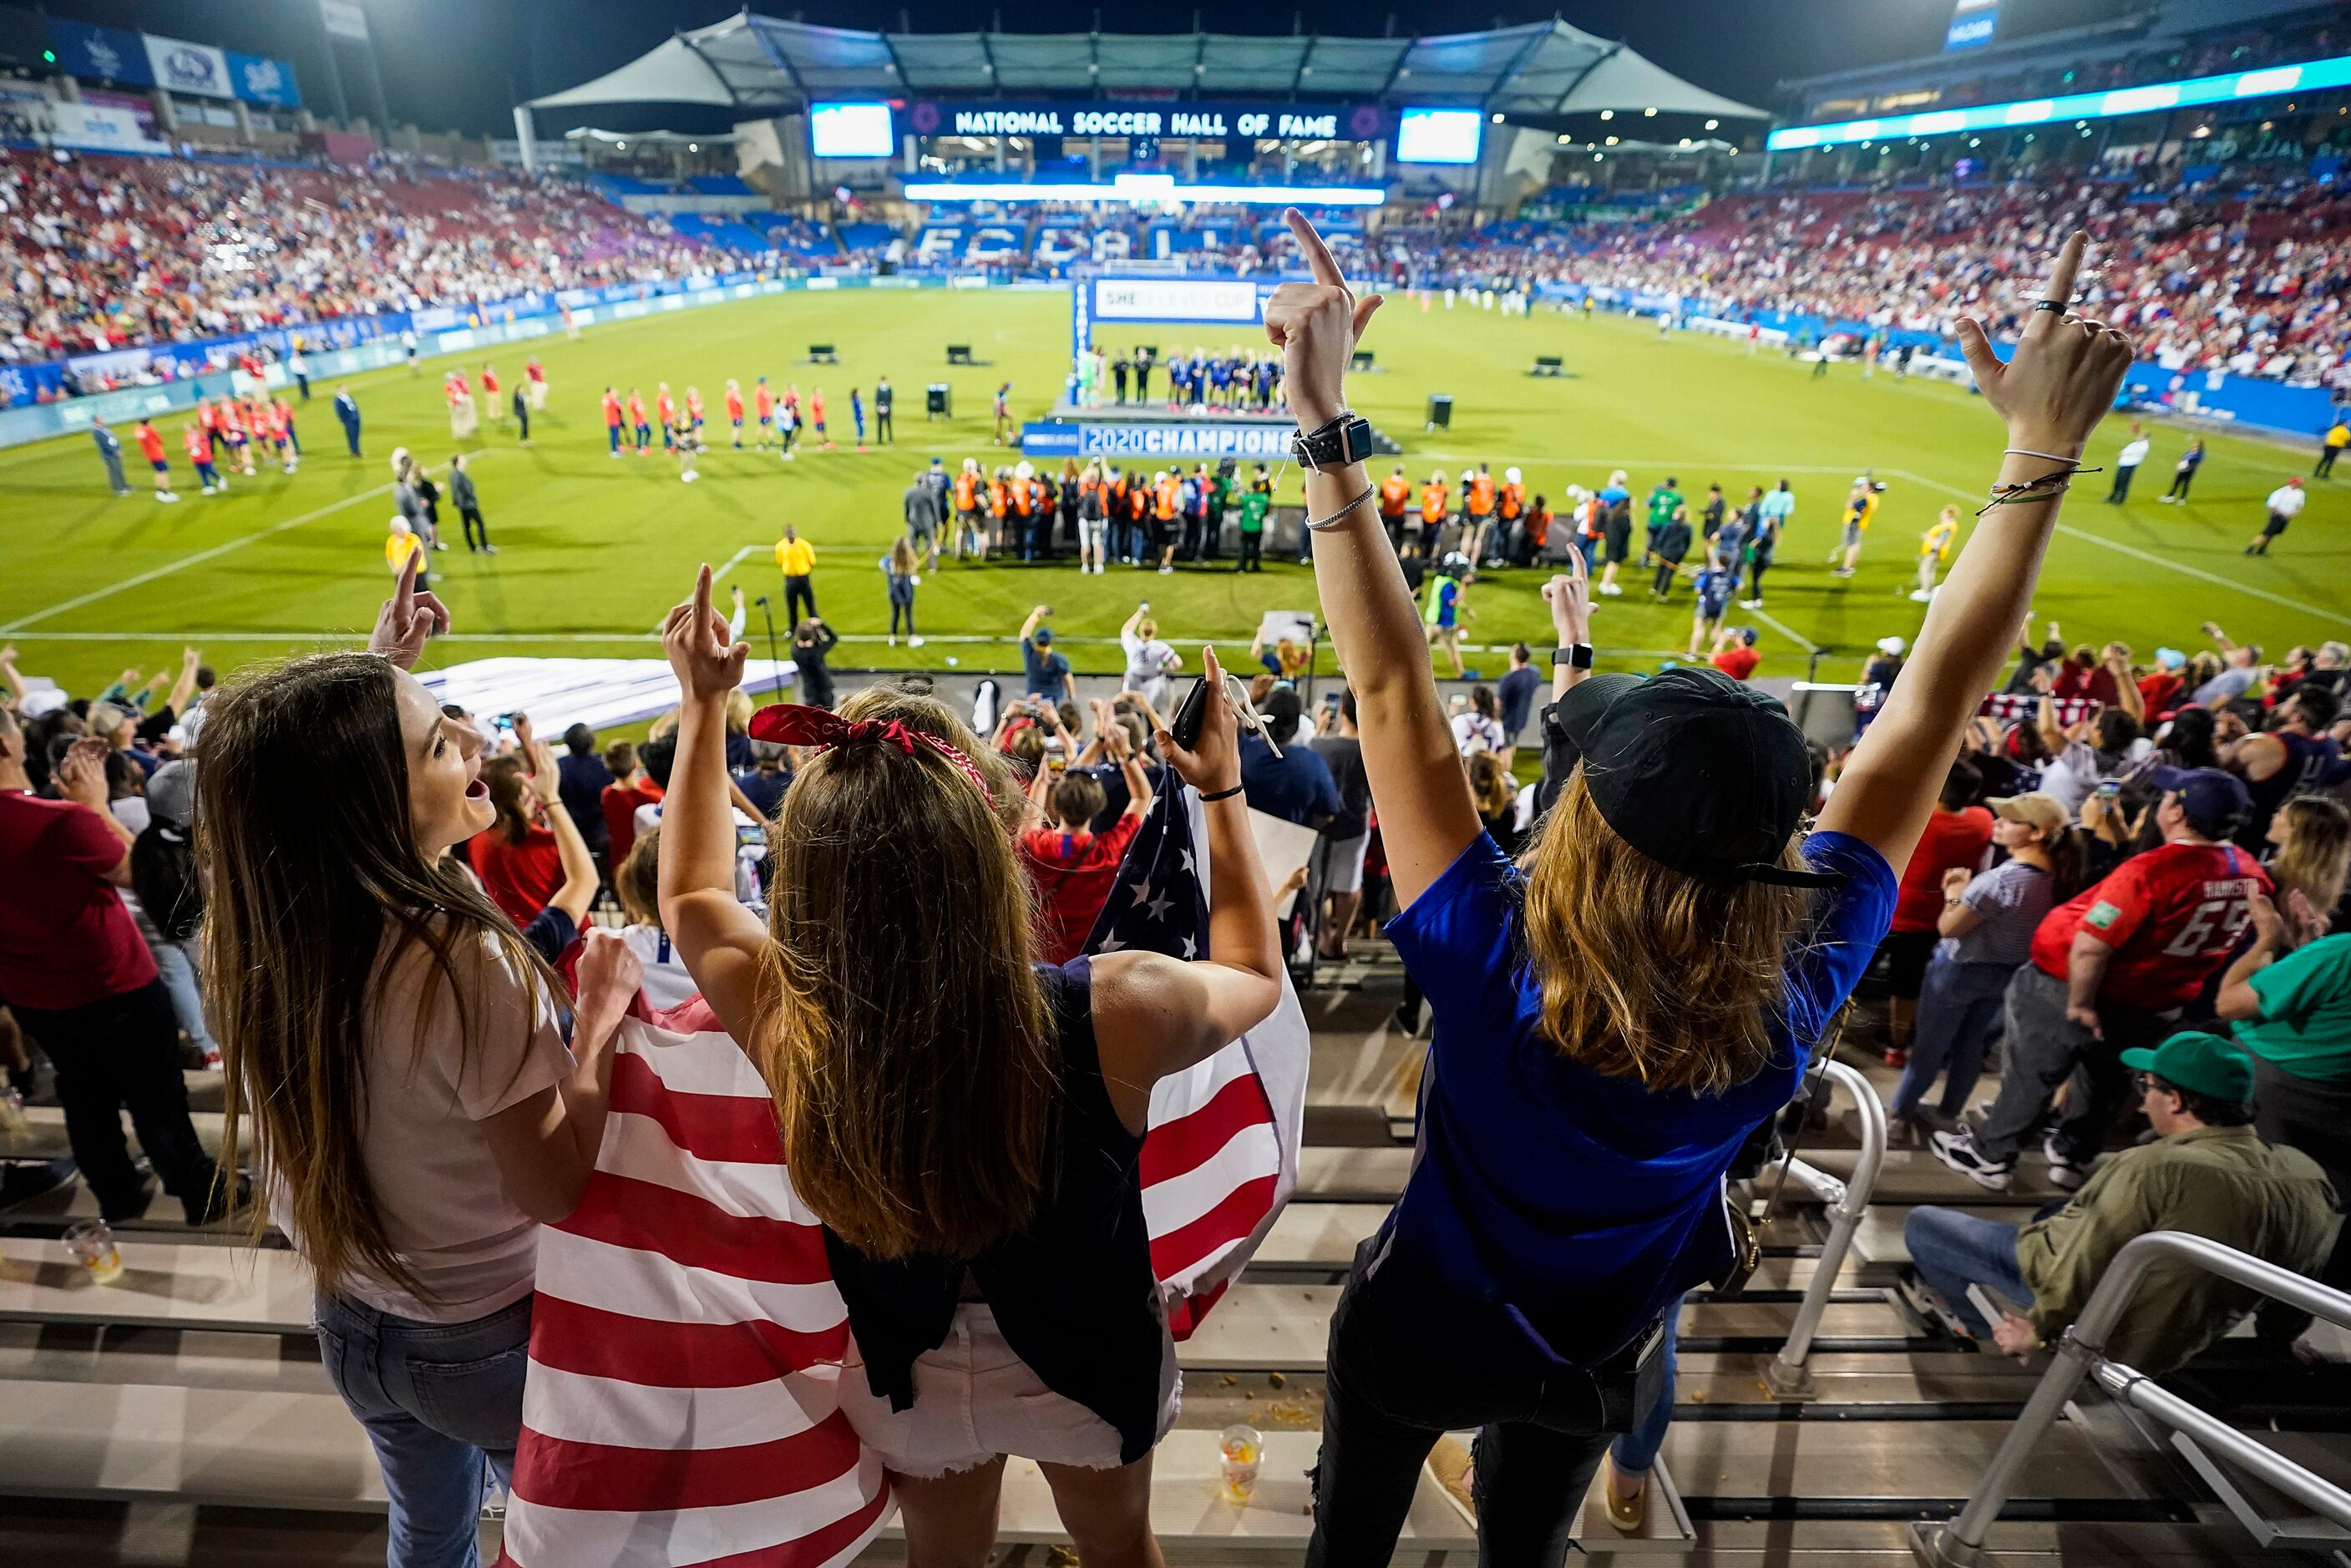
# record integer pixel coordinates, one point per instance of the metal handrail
(2081, 1353)
(1786, 1377)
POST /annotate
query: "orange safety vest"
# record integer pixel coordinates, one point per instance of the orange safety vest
(1167, 495)
(1395, 494)
(1538, 528)
(1514, 501)
(996, 497)
(967, 492)
(1433, 503)
(1020, 496)
(1481, 496)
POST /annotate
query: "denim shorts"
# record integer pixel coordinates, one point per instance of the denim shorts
(975, 1398)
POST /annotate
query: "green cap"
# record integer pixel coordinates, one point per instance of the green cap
(2207, 1063)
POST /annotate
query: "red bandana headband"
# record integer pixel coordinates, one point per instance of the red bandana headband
(797, 724)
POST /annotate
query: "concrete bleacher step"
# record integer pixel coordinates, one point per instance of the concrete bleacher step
(1881, 1256)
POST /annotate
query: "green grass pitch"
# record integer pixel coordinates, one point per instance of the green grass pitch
(594, 552)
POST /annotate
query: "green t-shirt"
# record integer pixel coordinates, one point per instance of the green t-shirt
(2305, 1023)
(1663, 504)
(1253, 509)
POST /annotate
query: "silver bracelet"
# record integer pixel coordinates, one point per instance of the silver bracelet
(1333, 521)
(2027, 452)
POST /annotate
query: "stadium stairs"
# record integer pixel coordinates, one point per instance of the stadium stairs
(181, 1415)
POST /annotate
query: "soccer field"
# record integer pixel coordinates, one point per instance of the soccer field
(593, 551)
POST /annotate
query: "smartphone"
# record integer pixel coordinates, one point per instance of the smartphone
(1191, 713)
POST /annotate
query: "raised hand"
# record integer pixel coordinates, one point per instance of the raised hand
(407, 619)
(608, 974)
(1215, 762)
(81, 773)
(1569, 593)
(2061, 380)
(694, 637)
(1315, 325)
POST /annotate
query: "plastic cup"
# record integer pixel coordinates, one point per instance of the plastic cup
(92, 1245)
(1242, 1446)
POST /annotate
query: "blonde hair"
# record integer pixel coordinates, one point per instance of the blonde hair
(1146, 628)
(903, 1028)
(2314, 854)
(1646, 973)
(1491, 785)
(902, 556)
(637, 879)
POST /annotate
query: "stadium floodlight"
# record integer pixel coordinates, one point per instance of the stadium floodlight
(2081, 107)
(1146, 190)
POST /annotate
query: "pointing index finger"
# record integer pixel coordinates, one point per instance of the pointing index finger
(2069, 265)
(403, 597)
(1318, 254)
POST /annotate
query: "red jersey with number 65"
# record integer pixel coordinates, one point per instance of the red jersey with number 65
(2172, 916)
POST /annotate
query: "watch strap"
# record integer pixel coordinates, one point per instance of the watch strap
(1344, 439)
(1574, 655)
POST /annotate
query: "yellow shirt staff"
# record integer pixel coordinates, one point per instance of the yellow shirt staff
(1934, 550)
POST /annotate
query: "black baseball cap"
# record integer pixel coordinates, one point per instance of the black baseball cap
(1698, 772)
(2217, 804)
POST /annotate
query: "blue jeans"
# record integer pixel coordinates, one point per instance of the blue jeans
(437, 1399)
(1953, 1250)
(176, 965)
(1959, 1007)
(1636, 1450)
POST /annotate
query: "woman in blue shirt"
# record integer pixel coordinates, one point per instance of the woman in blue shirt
(1600, 1053)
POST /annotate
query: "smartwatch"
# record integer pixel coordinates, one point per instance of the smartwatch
(1576, 656)
(1344, 440)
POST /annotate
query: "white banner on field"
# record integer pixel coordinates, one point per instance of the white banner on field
(1173, 299)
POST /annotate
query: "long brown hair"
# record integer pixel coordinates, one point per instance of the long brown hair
(309, 863)
(1647, 972)
(503, 776)
(2316, 851)
(903, 1028)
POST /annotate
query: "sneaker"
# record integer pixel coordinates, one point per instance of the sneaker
(1751, 604)
(2064, 1173)
(689, 477)
(1611, 590)
(913, 642)
(1919, 595)
(1842, 572)
(1165, 570)
(165, 495)
(1957, 1150)
(489, 549)
(439, 545)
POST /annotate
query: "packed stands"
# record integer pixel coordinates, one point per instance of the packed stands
(106, 251)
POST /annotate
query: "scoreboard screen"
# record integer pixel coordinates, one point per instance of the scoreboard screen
(1439, 135)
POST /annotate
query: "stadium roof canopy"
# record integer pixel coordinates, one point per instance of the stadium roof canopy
(761, 65)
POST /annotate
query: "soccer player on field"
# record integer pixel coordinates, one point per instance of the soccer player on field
(232, 421)
(665, 411)
(535, 375)
(734, 411)
(198, 441)
(816, 417)
(490, 393)
(612, 420)
(637, 418)
(1934, 550)
(151, 447)
(763, 404)
(694, 410)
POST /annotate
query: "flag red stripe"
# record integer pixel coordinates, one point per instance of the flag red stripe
(1190, 1141)
(692, 1231)
(1186, 1314)
(731, 1128)
(608, 1478)
(1234, 1216)
(817, 1547)
(595, 1343)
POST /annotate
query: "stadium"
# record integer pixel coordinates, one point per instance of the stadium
(1739, 436)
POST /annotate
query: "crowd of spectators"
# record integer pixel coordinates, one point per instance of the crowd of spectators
(101, 252)
(2254, 278)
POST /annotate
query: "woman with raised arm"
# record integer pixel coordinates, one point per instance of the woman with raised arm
(965, 1120)
(1600, 1050)
(389, 1046)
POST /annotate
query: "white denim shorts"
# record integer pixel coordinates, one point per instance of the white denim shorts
(975, 1398)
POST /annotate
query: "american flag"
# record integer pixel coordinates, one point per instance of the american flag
(687, 1338)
